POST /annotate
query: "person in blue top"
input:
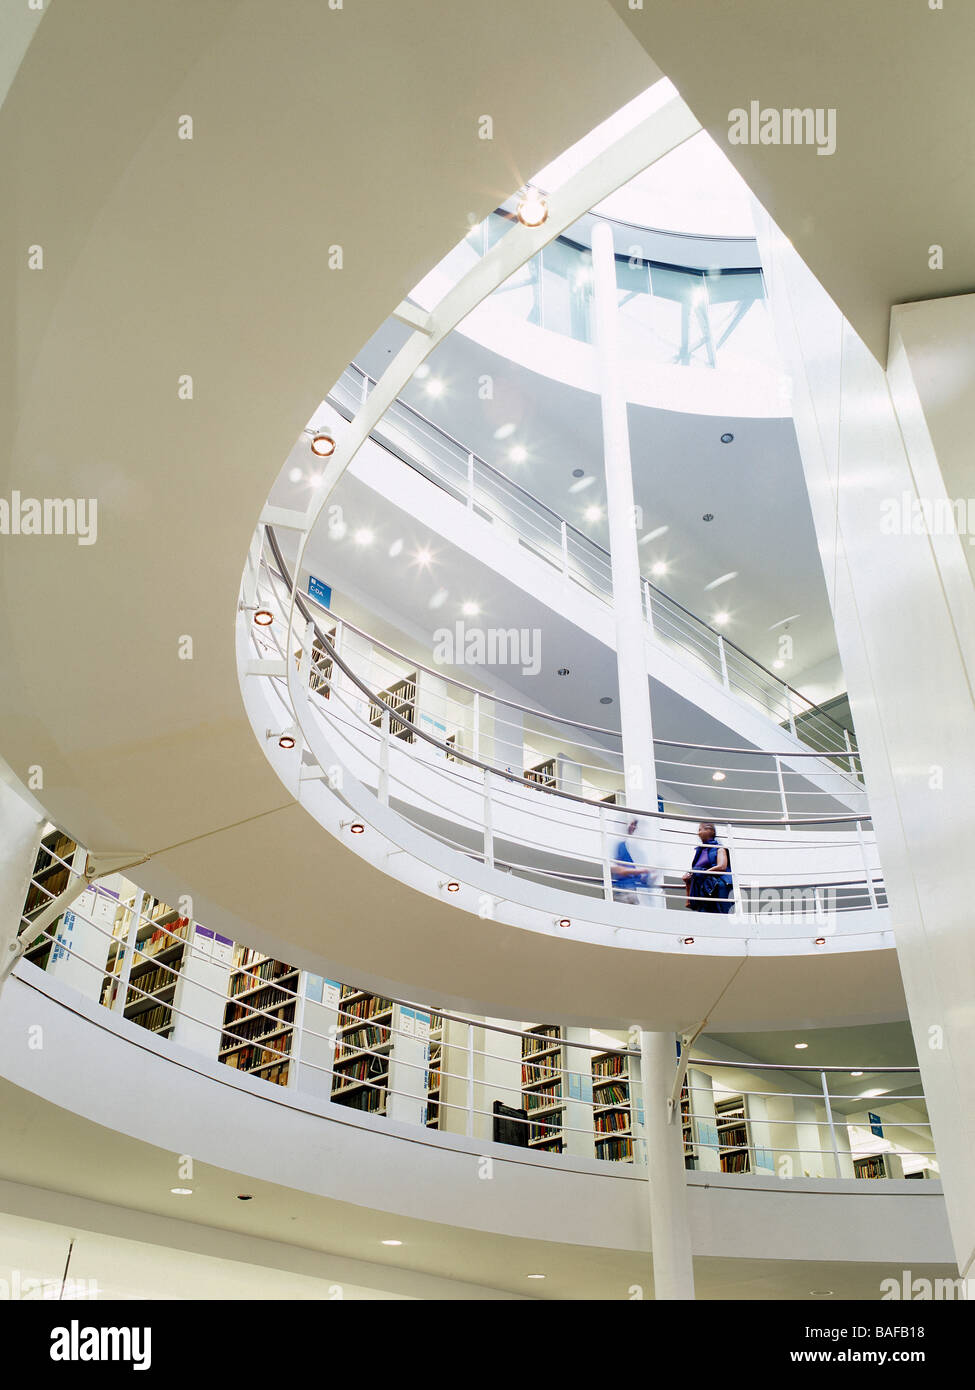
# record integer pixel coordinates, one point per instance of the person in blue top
(634, 880)
(710, 887)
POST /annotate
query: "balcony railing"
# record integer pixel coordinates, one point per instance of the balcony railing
(553, 1089)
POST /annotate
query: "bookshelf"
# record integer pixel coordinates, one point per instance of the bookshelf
(542, 1087)
(434, 1072)
(544, 774)
(49, 878)
(320, 676)
(401, 696)
(612, 1095)
(732, 1126)
(879, 1165)
(154, 969)
(687, 1128)
(364, 1042)
(259, 1016)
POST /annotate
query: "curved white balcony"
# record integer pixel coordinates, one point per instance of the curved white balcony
(438, 773)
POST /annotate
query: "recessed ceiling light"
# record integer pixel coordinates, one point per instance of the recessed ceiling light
(470, 610)
(286, 741)
(438, 599)
(777, 665)
(721, 579)
(364, 536)
(181, 1191)
(721, 618)
(532, 208)
(800, 1046)
(563, 671)
(708, 516)
(435, 387)
(727, 438)
(392, 1242)
(518, 454)
(422, 371)
(820, 1293)
(820, 941)
(661, 567)
(856, 1073)
(357, 828)
(395, 549)
(263, 617)
(717, 776)
(534, 1276)
(688, 940)
(296, 475)
(323, 445)
(593, 513)
(245, 1196)
(605, 699)
(453, 886)
(652, 535)
(506, 430)
(582, 484)
(423, 558)
(565, 921)
(578, 472)
(784, 621)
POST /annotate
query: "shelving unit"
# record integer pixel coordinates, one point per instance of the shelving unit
(320, 676)
(50, 877)
(258, 1027)
(434, 1074)
(545, 774)
(157, 959)
(879, 1165)
(401, 696)
(542, 1087)
(687, 1128)
(612, 1107)
(733, 1141)
(364, 1041)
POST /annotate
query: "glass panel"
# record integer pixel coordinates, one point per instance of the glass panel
(567, 290)
(740, 324)
(521, 293)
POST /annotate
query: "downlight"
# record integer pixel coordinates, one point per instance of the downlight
(452, 887)
(687, 940)
(565, 921)
(717, 776)
(263, 617)
(323, 445)
(727, 439)
(181, 1191)
(532, 208)
(820, 941)
(354, 827)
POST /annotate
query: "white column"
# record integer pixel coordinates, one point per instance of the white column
(670, 1230)
(887, 459)
(20, 837)
(635, 723)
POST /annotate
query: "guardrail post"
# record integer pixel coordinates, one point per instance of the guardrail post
(470, 1080)
(488, 821)
(792, 713)
(382, 790)
(867, 871)
(849, 749)
(564, 541)
(118, 1004)
(606, 856)
(648, 604)
(782, 795)
(364, 389)
(470, 482)
(832, 1127)
(724, 663)
(476, 730)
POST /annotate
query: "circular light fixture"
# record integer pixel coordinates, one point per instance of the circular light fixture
(562, 671)
(357, 828)
(245, 1196)
(727, 438)
(395, 549)
(534, 1276)
(518, 454)
(470, 610)
(688, 940)
(660, 567)
(721, 618)
(856, 1073)
(578, 472)
(717, 776)
(181, 1191)
(423, 558)
(777, 665)
(565, 921)
(820, 941)
(323, 445)
(820, 1293)
(605, 699)
(800, 1047)
(453, 886)
(594, 513)
(286, 741)
(435, 387)
(708, 516)
(264, 617)
(363, 536)
(296, 475)
(392, 1242)
(532, 208)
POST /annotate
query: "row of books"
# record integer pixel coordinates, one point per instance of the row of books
(368, 1007)
(269, 1027)
(618, 1149)
(251, 1057)
(355, 1039)
(736, 1162)
(616, 1093)
(267, 1001)
(155, 1019)
(545, 1095)
(161, 939)
(161, 978)
(363, 1067)
(612, 1121)
(613, 1064)
(538, 1071)
(247, 978)
(373, 1101)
